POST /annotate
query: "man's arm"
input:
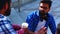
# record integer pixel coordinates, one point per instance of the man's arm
(9, 27)
(30, 22)
(52, 25)
(41, 31)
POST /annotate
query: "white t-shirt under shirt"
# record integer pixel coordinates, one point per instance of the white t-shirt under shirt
(40, 25)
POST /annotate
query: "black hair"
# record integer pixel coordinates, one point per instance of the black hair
(49, 2)
(2, 3)
(8, 11)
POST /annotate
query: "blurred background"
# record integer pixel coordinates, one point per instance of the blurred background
(21, 8)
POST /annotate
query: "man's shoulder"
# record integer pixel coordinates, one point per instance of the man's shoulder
(32, 15)
(50, 15)
(33, 12)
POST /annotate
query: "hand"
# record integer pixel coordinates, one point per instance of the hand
(21, 31)
(42, 30)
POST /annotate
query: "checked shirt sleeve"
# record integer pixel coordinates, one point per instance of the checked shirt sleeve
(6, 26)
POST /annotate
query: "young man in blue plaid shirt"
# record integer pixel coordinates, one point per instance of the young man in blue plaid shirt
(5, 24)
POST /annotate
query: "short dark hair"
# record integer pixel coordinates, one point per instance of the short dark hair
(2, 3)
(8, 11)
(58, 29)
(49, 2)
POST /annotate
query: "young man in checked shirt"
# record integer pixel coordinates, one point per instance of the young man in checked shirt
(5, 24)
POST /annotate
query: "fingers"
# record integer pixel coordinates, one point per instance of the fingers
(43, 30)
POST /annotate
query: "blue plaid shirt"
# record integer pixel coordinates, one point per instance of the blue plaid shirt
(5, 26)
(34, 18)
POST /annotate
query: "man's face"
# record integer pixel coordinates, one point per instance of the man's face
(44, 8)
